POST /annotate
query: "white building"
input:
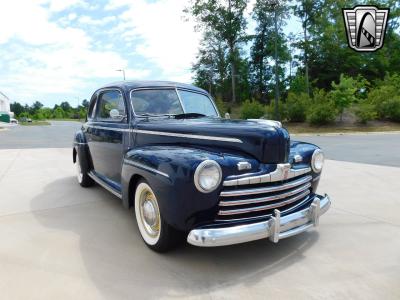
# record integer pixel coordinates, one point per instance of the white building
(5, 113)
(4, 103)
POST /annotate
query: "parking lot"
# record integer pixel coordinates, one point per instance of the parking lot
(61, 241)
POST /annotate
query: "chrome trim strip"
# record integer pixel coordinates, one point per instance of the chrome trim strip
(139, 165)
(264, 207)
(104, 185)
(282, 172)
(301, 203)
(180, 100)
(269, 189)
(77, 143)
(276, 228)
(265, 199)
(172, 134)
(108, 128)
(189, 136)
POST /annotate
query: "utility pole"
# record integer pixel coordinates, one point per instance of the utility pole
(232, 50)
(123, 72)
(276, 5)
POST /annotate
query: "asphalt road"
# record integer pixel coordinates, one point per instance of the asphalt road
(59, 134)
(374, 148)
(379, 149)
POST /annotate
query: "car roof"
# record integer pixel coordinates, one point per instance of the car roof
(137, 84)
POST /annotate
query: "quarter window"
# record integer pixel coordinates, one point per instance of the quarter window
(110, 101)
(91, 107)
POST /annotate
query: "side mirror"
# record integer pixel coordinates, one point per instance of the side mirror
(114, 114)
(227, 116)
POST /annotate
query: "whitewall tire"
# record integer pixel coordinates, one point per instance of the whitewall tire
(156, 233)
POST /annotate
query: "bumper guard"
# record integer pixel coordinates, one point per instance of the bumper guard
(275, 228)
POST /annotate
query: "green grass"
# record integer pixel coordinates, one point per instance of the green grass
(35, 123)
(337, 128)
(67, 119)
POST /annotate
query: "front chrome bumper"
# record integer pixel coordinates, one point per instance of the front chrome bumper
(275, 228)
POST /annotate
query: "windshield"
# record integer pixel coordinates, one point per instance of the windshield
(167, 102)
(197, 103)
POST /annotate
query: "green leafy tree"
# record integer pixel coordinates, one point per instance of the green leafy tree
(225, 20)
(85, 104)
(343, 93)
(58, 113)
(17, 108)
(263, 76)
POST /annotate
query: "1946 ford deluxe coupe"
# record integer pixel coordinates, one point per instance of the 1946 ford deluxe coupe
(164, 150)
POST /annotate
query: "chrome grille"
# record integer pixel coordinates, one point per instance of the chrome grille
(258, 200)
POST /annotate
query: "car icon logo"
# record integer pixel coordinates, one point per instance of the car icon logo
(366, 27)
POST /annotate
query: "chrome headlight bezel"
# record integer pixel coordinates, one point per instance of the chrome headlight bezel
(317, 153)
(197, 175)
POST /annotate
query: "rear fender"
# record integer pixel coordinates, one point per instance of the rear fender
(81, 148)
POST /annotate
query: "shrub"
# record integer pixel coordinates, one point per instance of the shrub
(366, 112)
(252, 110)
(296, 106)
(343, 93)
(386, 96)
(281, 110)
(321, 113)
(222, 108)
(390, 109)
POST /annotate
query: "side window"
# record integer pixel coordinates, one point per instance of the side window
(110, 106)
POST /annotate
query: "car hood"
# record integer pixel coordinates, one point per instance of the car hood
(260, 139)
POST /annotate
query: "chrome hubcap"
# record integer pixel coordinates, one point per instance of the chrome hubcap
(150, 213)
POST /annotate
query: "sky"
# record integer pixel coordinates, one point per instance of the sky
(63, 50)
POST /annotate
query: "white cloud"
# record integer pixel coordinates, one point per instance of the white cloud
(60, 5)
(72, 16)
(166, 39)
(87, 20)
(42, 58)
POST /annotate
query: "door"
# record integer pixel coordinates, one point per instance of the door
(108, 135)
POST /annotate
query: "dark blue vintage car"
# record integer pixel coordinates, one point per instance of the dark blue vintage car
(163, 148)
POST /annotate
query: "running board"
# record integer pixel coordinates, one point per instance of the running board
(103, 184)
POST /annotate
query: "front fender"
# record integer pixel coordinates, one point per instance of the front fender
(170, 171)
(305, 150)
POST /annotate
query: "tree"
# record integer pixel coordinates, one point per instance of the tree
(17, 108)
(58, 113)
(85, 104)
(270, 16)
(66, 107)
(225, 20)
(35, 107)
(306, 10)
(343, 93)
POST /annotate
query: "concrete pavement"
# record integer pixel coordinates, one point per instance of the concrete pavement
(60, 241)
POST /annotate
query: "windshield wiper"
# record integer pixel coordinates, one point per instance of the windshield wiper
(188, 116)
(146, 115)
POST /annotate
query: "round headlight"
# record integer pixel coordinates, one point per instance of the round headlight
(207, 176)
(317, 161)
